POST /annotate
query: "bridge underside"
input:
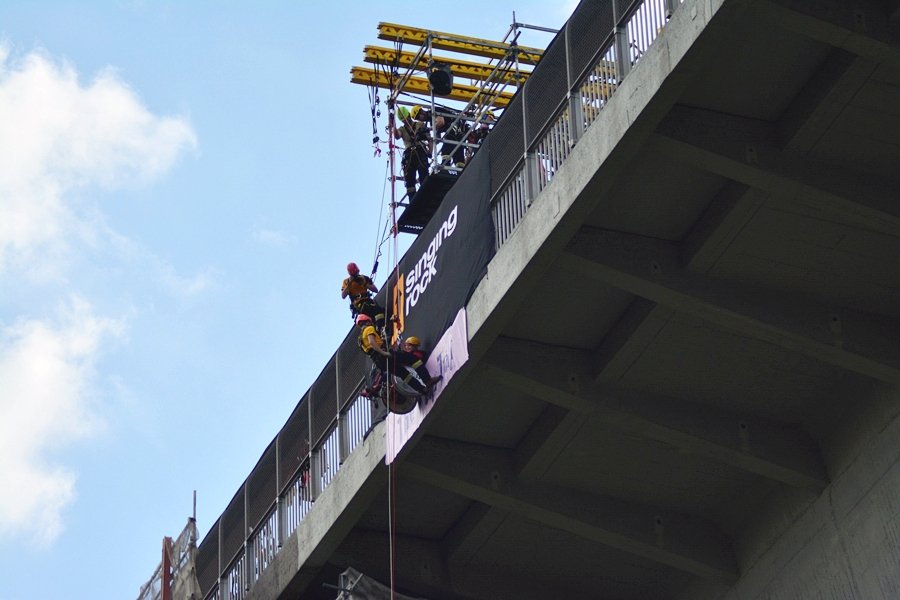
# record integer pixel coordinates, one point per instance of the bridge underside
(690, 389)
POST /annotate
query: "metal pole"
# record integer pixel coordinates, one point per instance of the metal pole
(531, 169)
(248, 550)
(315, 465)
(535, 27)
(671, 5)
(623, 48)
(223, 584)
(166, 583)
(435, 167)
(576, 117)
(279, 502)
(342, 421)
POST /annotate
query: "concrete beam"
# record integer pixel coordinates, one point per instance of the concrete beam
(747, 151)
(474, 529)
(861, 27)
(772, 450)
(859, 342)
(819, 103)
(486, 474)
(418, 570)
(628, 338)
(730, 211)
(418, 565)
(545, 440)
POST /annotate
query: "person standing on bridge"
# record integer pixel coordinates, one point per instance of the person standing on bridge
(414, 134)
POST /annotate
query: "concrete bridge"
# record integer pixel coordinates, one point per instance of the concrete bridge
(684, 356)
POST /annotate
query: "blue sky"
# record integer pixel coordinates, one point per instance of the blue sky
(181, 187)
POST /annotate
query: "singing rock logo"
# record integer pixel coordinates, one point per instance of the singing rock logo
(417, 279)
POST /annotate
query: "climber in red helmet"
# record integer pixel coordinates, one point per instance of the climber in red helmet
(359, 288)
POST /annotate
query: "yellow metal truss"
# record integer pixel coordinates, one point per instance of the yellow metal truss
(420, 85)
(459, 68)
(457, 43)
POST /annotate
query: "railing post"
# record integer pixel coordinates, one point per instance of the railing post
(576, 116)
(315, 463)
(623, 46)
(342, 425)
(671, 5)
(279, 501)
(248, 550)
(623, 52)
(532, 172)
(223, 581)
(530, 166)
(315, 474)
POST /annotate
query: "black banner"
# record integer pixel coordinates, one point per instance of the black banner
(448, 259)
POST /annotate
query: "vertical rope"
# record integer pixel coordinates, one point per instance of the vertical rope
(392, 475)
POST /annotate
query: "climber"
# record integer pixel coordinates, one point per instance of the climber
(359, 288)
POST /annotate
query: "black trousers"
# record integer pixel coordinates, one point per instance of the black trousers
(397, 364)
(368, 307)
(414, 162)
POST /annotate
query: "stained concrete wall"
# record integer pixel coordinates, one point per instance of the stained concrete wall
(846, 542)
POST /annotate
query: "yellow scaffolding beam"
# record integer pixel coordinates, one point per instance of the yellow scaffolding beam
(459, 68)
(456, 43)
(420, 85)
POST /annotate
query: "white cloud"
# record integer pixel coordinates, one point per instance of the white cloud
(46, 403)
(60, 139)
(183, 287)
(270, 237)
(57, 135)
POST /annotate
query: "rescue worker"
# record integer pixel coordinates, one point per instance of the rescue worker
(371, 343)
(414, 134)
(415, 358)
(359, 288)
(477, 135)
(453, 153)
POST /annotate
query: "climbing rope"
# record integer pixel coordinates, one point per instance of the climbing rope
(392, 473)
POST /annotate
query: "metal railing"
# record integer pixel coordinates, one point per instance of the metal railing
(588, 92)
(180, 554)
(264, 545)
(280, 491)
(332, 418)
(510, 207)
(295, 503)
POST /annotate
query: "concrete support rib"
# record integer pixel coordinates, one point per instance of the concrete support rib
(747, 151)
(559, 376)
(486, 475)
(476, 526)
(821, 100)
(420, 564)
(859, 342)
(861, 27)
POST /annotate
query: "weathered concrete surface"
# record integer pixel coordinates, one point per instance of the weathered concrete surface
(845, 543)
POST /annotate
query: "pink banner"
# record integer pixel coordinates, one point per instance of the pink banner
(448, 355)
